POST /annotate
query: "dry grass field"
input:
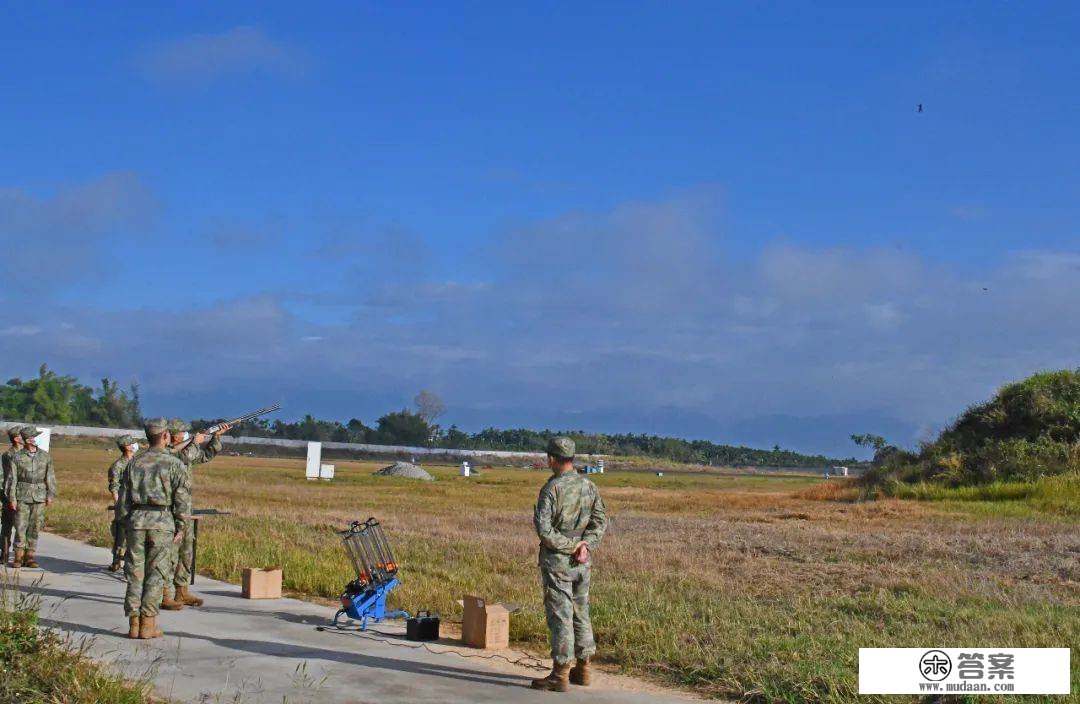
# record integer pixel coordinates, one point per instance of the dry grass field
(738, 587)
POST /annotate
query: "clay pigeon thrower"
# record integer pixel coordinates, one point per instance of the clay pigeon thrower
(376, 574)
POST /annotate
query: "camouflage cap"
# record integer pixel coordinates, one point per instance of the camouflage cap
(29, 431)
(156, 426)
(13, 431)
(561, 446)
(178, 425)
(125, 440)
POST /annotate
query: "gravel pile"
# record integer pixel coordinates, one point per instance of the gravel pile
(404, 469)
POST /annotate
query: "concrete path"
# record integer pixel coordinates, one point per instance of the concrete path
(238, 650)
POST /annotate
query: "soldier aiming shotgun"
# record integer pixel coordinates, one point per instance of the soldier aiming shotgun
(223, 427)
(191, 452)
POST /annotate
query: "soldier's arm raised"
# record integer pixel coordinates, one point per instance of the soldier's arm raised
(196, 453)
(550, 538)
(213, 448)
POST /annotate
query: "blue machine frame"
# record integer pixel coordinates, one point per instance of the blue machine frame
(369, 551)
(370, 603)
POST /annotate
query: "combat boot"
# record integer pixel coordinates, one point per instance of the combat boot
(148, 628)
(170, 604)
(133, 626)
(18, 558)
(116, 566)
(580, 673)
(186, 597)
(29, 561)
(556, 681)
(4, 556)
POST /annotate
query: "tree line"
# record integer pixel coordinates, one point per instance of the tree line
(61, 399)
(418, 428)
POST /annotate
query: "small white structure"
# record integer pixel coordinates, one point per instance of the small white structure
(465, 469)
(600, 466)
(659, 474)
(314, 460)
(326, 472)
(43, 438)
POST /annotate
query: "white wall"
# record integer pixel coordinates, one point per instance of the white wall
(421, 453)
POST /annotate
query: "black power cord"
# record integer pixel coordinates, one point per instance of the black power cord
(526, 660)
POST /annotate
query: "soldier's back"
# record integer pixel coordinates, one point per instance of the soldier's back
(150, 482)
(149, 477)
(574, 496)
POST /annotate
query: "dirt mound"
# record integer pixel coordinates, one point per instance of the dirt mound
(404, 469)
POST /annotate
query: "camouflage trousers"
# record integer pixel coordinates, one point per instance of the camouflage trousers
(147, 565)
(7, 527)
(566, 606)
(28, 522)
(181, 557)
(119, 546)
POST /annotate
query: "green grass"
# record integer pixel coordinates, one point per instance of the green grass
(36, 665)
(737, 587)
(1058, 495)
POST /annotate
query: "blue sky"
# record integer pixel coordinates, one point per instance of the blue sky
(719, 220)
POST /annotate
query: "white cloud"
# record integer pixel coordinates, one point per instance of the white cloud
(635, 314)
(67, 228)
(242, 49)
(20, 331)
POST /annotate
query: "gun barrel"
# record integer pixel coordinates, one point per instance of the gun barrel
(247, 416)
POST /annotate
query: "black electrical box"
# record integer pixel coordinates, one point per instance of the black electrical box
(422, 626)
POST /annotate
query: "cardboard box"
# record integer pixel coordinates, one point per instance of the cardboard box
(262, 583)
(485, 624)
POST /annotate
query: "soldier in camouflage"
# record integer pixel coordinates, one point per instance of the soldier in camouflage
(7, 514)
(570, 520)
(30, 487)
(128, 447)
(154, 505)
(191, 452)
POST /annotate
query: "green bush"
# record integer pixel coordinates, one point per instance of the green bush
(1029, 430)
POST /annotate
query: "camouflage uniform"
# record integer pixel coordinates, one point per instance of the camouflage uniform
(116, 473)
(569, 510)
(7, 514)
(31, 482)
(190, 455)
(155, 500)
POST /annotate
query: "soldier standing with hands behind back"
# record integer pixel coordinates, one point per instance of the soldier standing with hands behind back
(570, 520)
(7, 519)
(30, 488)
(128, 447)
(155, 501)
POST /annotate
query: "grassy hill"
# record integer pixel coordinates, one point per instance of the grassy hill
(1028, 431)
